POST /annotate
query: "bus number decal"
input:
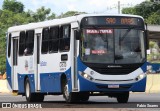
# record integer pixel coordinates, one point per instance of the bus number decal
(62, 66)
(111, 20)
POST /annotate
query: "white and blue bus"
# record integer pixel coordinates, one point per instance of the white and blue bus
(77, 57)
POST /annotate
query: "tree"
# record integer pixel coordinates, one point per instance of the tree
(52, 16)
(129, 10)
(148, 10)
(154, 18)
(42, 14)
(70, 13)
(143, 9)
(13, 5)
(8, 19)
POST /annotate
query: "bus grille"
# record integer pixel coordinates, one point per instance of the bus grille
(107, 70)
(114, 71)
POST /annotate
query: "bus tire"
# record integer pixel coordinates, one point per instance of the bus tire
(70, 97)
(32, 97)
(123, 97)
(29, 96)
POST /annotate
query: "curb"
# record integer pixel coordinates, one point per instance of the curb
(4, 86)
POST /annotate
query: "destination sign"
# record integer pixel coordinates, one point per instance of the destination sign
(113, 21)
(123, 21)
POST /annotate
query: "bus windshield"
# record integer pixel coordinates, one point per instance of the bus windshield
(106, 45)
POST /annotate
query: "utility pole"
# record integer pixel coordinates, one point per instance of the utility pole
(119, 8)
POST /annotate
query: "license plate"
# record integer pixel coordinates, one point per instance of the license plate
(113, 86)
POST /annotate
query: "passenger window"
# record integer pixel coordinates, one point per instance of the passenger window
(29, 43)
(22, 43)
(54, 39)
(9, 45)
(65, 38)
(45, 40)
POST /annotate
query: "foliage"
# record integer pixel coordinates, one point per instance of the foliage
(13, 5)
(8, 19)
(52, 16)
(154, 18)
(70, 13)
(149, 10)
(41, 14)
(129, 10)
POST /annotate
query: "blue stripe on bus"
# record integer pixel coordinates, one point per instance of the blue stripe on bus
(21, 82)
(8, 71)
(144, 67)
(51, 82)
(81, 66)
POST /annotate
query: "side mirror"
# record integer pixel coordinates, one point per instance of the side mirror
(146, 36)
(147, 39)
(77, 34)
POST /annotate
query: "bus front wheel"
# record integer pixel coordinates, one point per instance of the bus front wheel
(123, 97)
(70, 97)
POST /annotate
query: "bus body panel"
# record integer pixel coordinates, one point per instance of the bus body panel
(8, 71)
(50, 82)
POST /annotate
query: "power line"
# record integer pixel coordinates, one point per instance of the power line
(117, 7)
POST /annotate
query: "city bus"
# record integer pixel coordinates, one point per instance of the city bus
(78, 57)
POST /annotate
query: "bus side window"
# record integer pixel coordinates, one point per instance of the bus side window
(65, 38)
(9, 45)
(22, 43)
(29, 43)
(54, 39)
(45, 39)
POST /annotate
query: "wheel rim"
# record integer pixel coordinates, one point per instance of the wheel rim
(66, 93)
(27, 90)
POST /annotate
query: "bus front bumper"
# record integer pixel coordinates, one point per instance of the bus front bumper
(89, 86)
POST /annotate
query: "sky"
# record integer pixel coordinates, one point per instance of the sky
(89, 6)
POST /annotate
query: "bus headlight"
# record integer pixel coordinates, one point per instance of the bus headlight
(141, 76)
(86, 76)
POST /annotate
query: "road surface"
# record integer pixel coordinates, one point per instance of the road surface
(136, 100)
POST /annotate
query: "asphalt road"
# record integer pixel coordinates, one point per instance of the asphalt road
(136, 100)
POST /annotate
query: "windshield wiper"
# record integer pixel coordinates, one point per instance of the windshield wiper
(122, 38)
(126, 33)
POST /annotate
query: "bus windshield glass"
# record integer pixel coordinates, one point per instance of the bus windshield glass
(108, 45)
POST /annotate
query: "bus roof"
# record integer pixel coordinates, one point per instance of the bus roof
(60, 21)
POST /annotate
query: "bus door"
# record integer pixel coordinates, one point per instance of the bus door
(74, 27)
(37, 61)
(14, 63)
